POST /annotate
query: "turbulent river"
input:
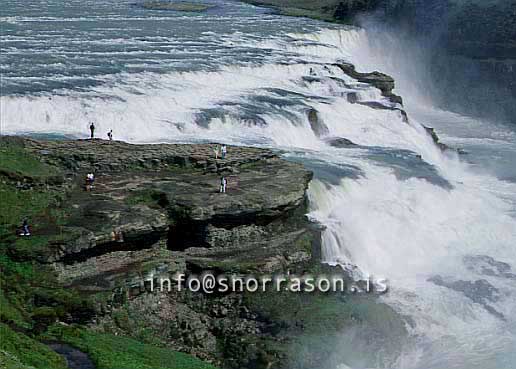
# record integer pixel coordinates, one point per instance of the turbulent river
(440, 227)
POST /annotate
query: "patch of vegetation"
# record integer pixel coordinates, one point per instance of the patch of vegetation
(9, 312)
(318, 323)
(15, 204)
(114, 352)
(17, 161)
(21, 351)
(30, 296)
(251, 165)
(149, 197)
(41, 209)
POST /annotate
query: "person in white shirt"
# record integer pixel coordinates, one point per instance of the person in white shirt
(223, 184)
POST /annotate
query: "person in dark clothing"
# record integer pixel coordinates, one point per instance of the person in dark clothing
(25, 228)
(92, 130)
(110, 135)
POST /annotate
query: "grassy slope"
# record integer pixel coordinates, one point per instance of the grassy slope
(20, 351)
(30, 297)
(114, 352)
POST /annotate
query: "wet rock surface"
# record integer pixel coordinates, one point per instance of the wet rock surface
(381, 81)
(75, 359)
(480, 292)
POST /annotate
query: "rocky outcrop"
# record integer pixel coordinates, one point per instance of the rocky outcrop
(149, 196)
(155, 211)
(317, 125)
(381, 81)
(340, 142)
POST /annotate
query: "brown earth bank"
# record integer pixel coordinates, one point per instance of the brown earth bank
(82, 277)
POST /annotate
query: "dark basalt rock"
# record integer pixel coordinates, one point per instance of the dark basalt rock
(479, 291)
(169, 194)
(352, 97)
(340, 142)
(317, 125)
(379, 80)
(435, 138)
(75, 359)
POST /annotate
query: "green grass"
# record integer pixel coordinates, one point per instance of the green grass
(115, 352)
(41, 208)
(323, 312)
(9, 361)
(143, 197)
(16, 160)
(21, 351)
(16, 203)
(10, 313)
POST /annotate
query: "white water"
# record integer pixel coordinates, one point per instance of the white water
(405, 229)
(412, 230)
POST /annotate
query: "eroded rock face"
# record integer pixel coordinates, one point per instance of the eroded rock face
(381, 81)
(148, 196)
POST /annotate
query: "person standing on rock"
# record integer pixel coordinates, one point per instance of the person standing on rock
(223, 184)
(224, 151)
(92, 130)
(90, 178)
(216, 151)
(110, 135)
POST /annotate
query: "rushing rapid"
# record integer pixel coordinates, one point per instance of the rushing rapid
(441, 228)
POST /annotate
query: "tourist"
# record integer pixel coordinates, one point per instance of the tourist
(25, 228)
(223, 184)
(92, 130)
(90, 178)
(216, 151)
(110, 135)
(224, 151)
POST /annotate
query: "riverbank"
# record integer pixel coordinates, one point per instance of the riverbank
(327, 10)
